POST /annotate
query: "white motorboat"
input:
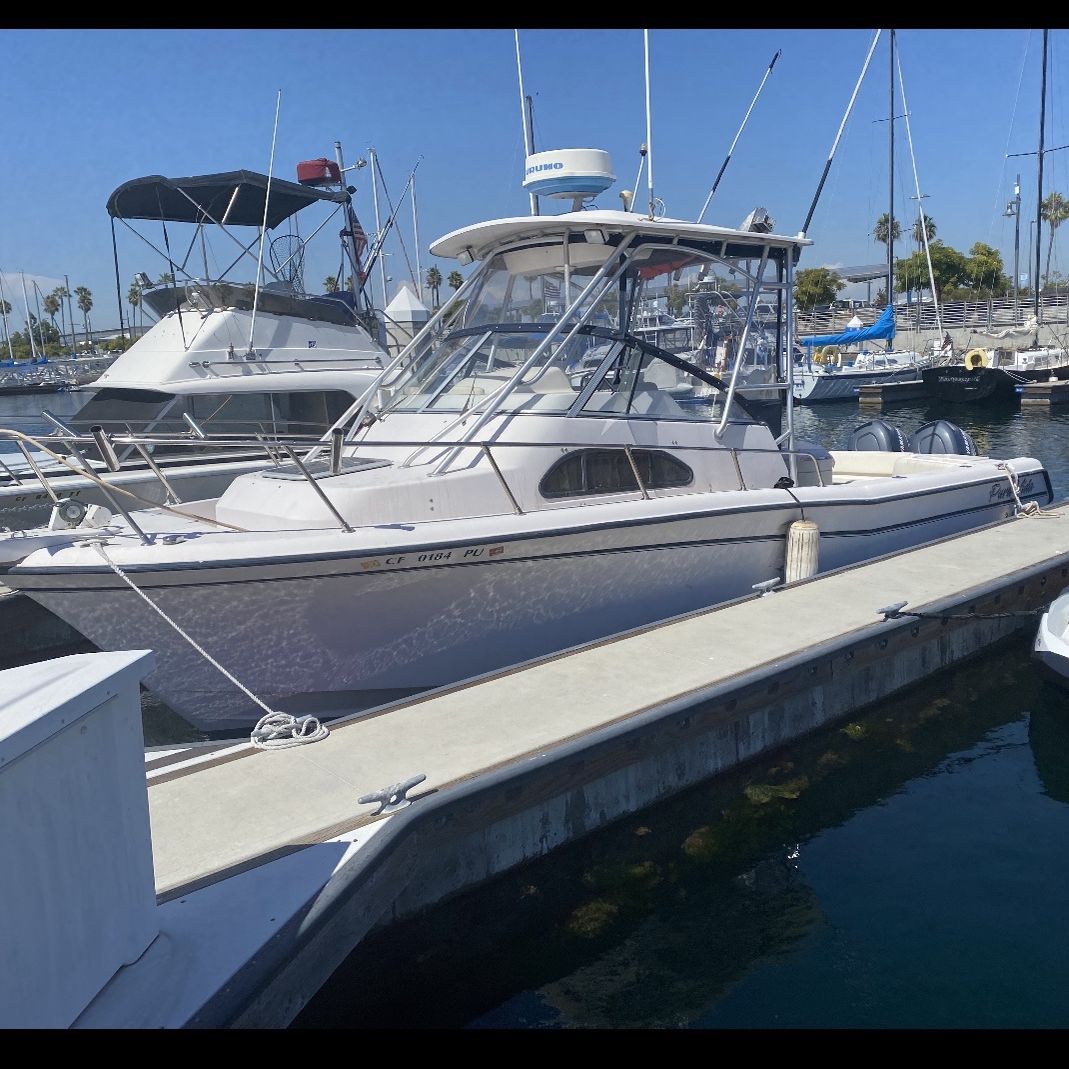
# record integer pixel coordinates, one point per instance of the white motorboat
(251, 360)
(1051, 645)
(489, 507)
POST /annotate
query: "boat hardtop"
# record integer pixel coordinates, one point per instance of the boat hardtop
(481, 239)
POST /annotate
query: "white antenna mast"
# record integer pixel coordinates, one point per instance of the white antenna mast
(415, 231)
(263, 229)
(527, 149)
(380, 236)
(649, 133)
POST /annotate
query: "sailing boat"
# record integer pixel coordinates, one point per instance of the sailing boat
(826, 372)
(998, 375)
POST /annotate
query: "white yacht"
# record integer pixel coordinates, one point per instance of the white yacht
(487, 507)
(260, 359)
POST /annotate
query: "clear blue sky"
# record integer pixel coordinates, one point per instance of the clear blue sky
(85, 110)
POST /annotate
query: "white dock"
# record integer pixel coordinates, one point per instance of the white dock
(527, 759)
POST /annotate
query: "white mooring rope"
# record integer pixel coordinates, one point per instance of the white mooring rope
(1032, 508)
(275, 730)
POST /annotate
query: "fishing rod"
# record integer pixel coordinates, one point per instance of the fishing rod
(745, 119)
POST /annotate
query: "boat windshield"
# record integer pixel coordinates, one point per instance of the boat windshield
(506, 349)
(595, 372)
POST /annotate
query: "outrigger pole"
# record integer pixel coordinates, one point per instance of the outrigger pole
(263, 229)
(838, 136)
(745, 119)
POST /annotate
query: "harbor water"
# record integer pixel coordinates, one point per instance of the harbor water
(905, 869)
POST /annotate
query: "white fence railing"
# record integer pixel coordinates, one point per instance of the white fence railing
(920, 316)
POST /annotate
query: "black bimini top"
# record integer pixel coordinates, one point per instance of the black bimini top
(236, 198)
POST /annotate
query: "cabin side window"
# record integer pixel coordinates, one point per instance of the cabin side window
(608, 471)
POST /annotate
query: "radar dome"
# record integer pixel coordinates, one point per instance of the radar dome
(568, 173)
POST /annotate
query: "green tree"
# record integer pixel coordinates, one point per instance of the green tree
(456, 280)
(166, 279)
(51, 305)
(133, 298)
(985, 274)
(816, 285)
(880, 231)
(949, 269)
(1054, 212)
(434, 283)
(61, 293)
(677, 299)
(918, 234)
(85, 304)
(330, 284)
(5, 311)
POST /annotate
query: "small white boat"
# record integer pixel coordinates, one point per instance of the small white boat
(1051, 645)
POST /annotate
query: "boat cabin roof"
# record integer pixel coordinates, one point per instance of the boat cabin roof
(483, 238)
(234, 197)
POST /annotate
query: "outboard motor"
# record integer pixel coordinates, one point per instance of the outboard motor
(878, 435)
(807, 473)
(942, 436)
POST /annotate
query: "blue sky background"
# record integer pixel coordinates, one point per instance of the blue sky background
(85, 110)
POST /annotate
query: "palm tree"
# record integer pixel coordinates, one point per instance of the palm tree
(61, 293)
(166, 279)
(85, 303)
(133, 297)
(51, 306)
(880, 232)
(5, 311)
(330, 284)
(1054, 211)
(456, 280)
(929, 229)
(434, 282)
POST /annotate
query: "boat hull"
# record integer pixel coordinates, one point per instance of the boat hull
(337, 633)
(1050, 648)
(957, 383)
(817, 386)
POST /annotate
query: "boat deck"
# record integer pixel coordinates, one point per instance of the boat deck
(239, 805)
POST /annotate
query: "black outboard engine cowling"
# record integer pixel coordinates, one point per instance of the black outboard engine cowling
(942, 436)
(879, 435)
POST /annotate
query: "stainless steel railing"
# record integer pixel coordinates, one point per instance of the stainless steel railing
(106, 445)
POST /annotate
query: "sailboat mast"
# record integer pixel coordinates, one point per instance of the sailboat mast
(1039, 193)
(891, 184)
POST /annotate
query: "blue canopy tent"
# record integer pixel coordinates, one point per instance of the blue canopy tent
(883, 328)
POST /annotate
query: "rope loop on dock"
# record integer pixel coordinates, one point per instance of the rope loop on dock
(280, 730)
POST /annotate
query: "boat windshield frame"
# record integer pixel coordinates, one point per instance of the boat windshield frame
(593, 374)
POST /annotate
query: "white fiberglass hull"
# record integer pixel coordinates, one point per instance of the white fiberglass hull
(1050, 647)
(330, 622)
